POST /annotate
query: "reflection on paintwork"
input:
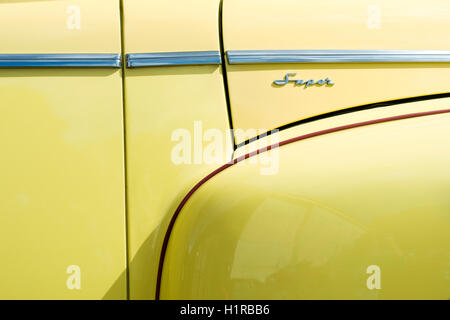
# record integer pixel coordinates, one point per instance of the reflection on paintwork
(311, 232)
(62, 183)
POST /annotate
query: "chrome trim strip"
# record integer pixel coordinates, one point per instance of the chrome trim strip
(135, 60)
(60, 60)
(321, 56)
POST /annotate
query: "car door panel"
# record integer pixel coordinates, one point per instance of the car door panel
(62, 172)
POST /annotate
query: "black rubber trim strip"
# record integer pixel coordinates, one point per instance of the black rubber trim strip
(225, 75)
(345, 111)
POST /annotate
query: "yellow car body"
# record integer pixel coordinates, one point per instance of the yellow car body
(333, 125)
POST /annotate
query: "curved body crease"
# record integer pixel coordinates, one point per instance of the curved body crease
(309, 233)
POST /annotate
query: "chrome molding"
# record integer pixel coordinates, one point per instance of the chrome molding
(135, 60)
(60, 60)
(324, 56)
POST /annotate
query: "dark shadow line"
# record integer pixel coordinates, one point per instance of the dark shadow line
(123, 67)
(225, 76)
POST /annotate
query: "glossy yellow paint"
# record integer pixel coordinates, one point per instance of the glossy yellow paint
(63, 26)
(171, 25)
(160, 101)
(61, 166)
(256, 103)
(62, 185)
(243, 234)
(329, 24)
(340, 203)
